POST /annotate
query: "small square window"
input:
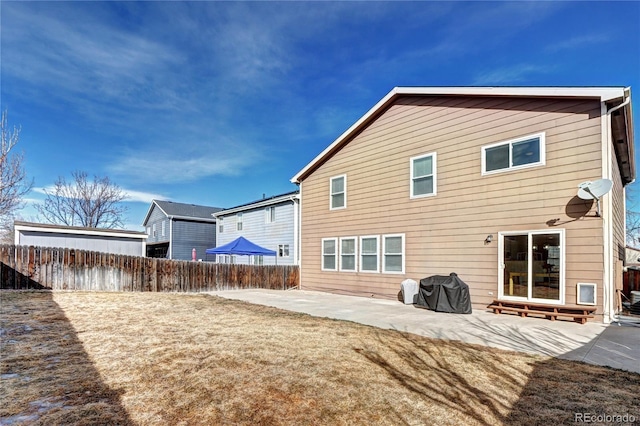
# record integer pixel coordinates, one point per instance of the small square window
(586, 294)
(283, 250)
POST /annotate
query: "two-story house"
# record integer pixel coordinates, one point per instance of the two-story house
(272, 223)
(480, 181)
(175, 229)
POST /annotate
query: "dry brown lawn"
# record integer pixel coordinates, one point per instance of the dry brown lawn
(176, 359)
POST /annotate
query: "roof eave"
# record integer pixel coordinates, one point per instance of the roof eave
(257, 204)
(603, 94)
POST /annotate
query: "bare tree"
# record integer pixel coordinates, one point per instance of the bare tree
(13, 179)
(91, 204)
(633, 221)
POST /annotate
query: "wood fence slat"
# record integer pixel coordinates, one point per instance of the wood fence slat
(23, 267)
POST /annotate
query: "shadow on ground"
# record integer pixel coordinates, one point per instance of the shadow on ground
(47, 377)
(540, 390)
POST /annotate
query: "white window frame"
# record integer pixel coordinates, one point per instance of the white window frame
(354, 254)
(163, 228)
(335, 254)
(384, 254)
(579, 301)
(331, 194)
(281, 248)
(362, 254)
(269, 214)
(433, 155)
(563, 265)
(510, 142)
(258, 259)
(238, 221)
(220, 225)
(155, 232)
(148, 230)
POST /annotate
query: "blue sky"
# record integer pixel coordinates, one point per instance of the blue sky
(216, 103)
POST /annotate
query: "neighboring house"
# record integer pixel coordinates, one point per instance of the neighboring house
(116, 241)
(632, 257)
(270, 222)
(474, 180)
(175, 229)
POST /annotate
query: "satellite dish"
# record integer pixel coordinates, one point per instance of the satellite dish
(594, 190)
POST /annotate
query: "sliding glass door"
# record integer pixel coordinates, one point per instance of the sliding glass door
(531, 266)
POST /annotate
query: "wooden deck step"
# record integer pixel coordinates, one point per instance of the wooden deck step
(579, 313)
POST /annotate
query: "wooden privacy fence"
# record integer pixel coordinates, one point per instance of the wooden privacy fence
(28, 267)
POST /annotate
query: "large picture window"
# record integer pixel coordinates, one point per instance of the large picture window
(329, 253)
(338, 190)
(369, 254)
(518, 153)
(423, 175)
(393, 253)
(348, 254)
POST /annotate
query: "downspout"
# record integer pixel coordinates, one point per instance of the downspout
(608, 293)
(296, 226)
(170, 238)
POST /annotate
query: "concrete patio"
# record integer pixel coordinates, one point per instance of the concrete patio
(616, 345)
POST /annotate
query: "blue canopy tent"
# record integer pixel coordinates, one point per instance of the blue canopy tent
(242, 247)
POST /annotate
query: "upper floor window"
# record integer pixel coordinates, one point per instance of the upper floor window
(155, 232)
(270, 214)
(329, 254)
(239, 221)
(527, 151)
(148, 230)
(220, 225)
(338, 191)
(423, 175)
(163, 228)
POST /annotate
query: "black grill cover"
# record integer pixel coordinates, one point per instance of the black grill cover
(442, 293)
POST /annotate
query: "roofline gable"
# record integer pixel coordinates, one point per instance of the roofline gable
(260, 203)
(603, 94)
(146, 218)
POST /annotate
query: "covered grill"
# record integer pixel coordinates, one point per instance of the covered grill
(442, 293)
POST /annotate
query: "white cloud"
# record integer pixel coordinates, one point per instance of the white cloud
(133, 196)
(579, 42)
(509, 75)
(179, 170)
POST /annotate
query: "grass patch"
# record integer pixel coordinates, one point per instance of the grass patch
(155, 358)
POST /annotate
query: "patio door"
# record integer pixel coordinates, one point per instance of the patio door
(531, 266)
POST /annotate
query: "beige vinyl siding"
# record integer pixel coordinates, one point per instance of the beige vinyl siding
(618, 220)
(446, 233)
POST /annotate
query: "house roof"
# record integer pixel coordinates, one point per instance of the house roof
(77, 230)
(183, 211)
(611, 95)
(264, 202)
